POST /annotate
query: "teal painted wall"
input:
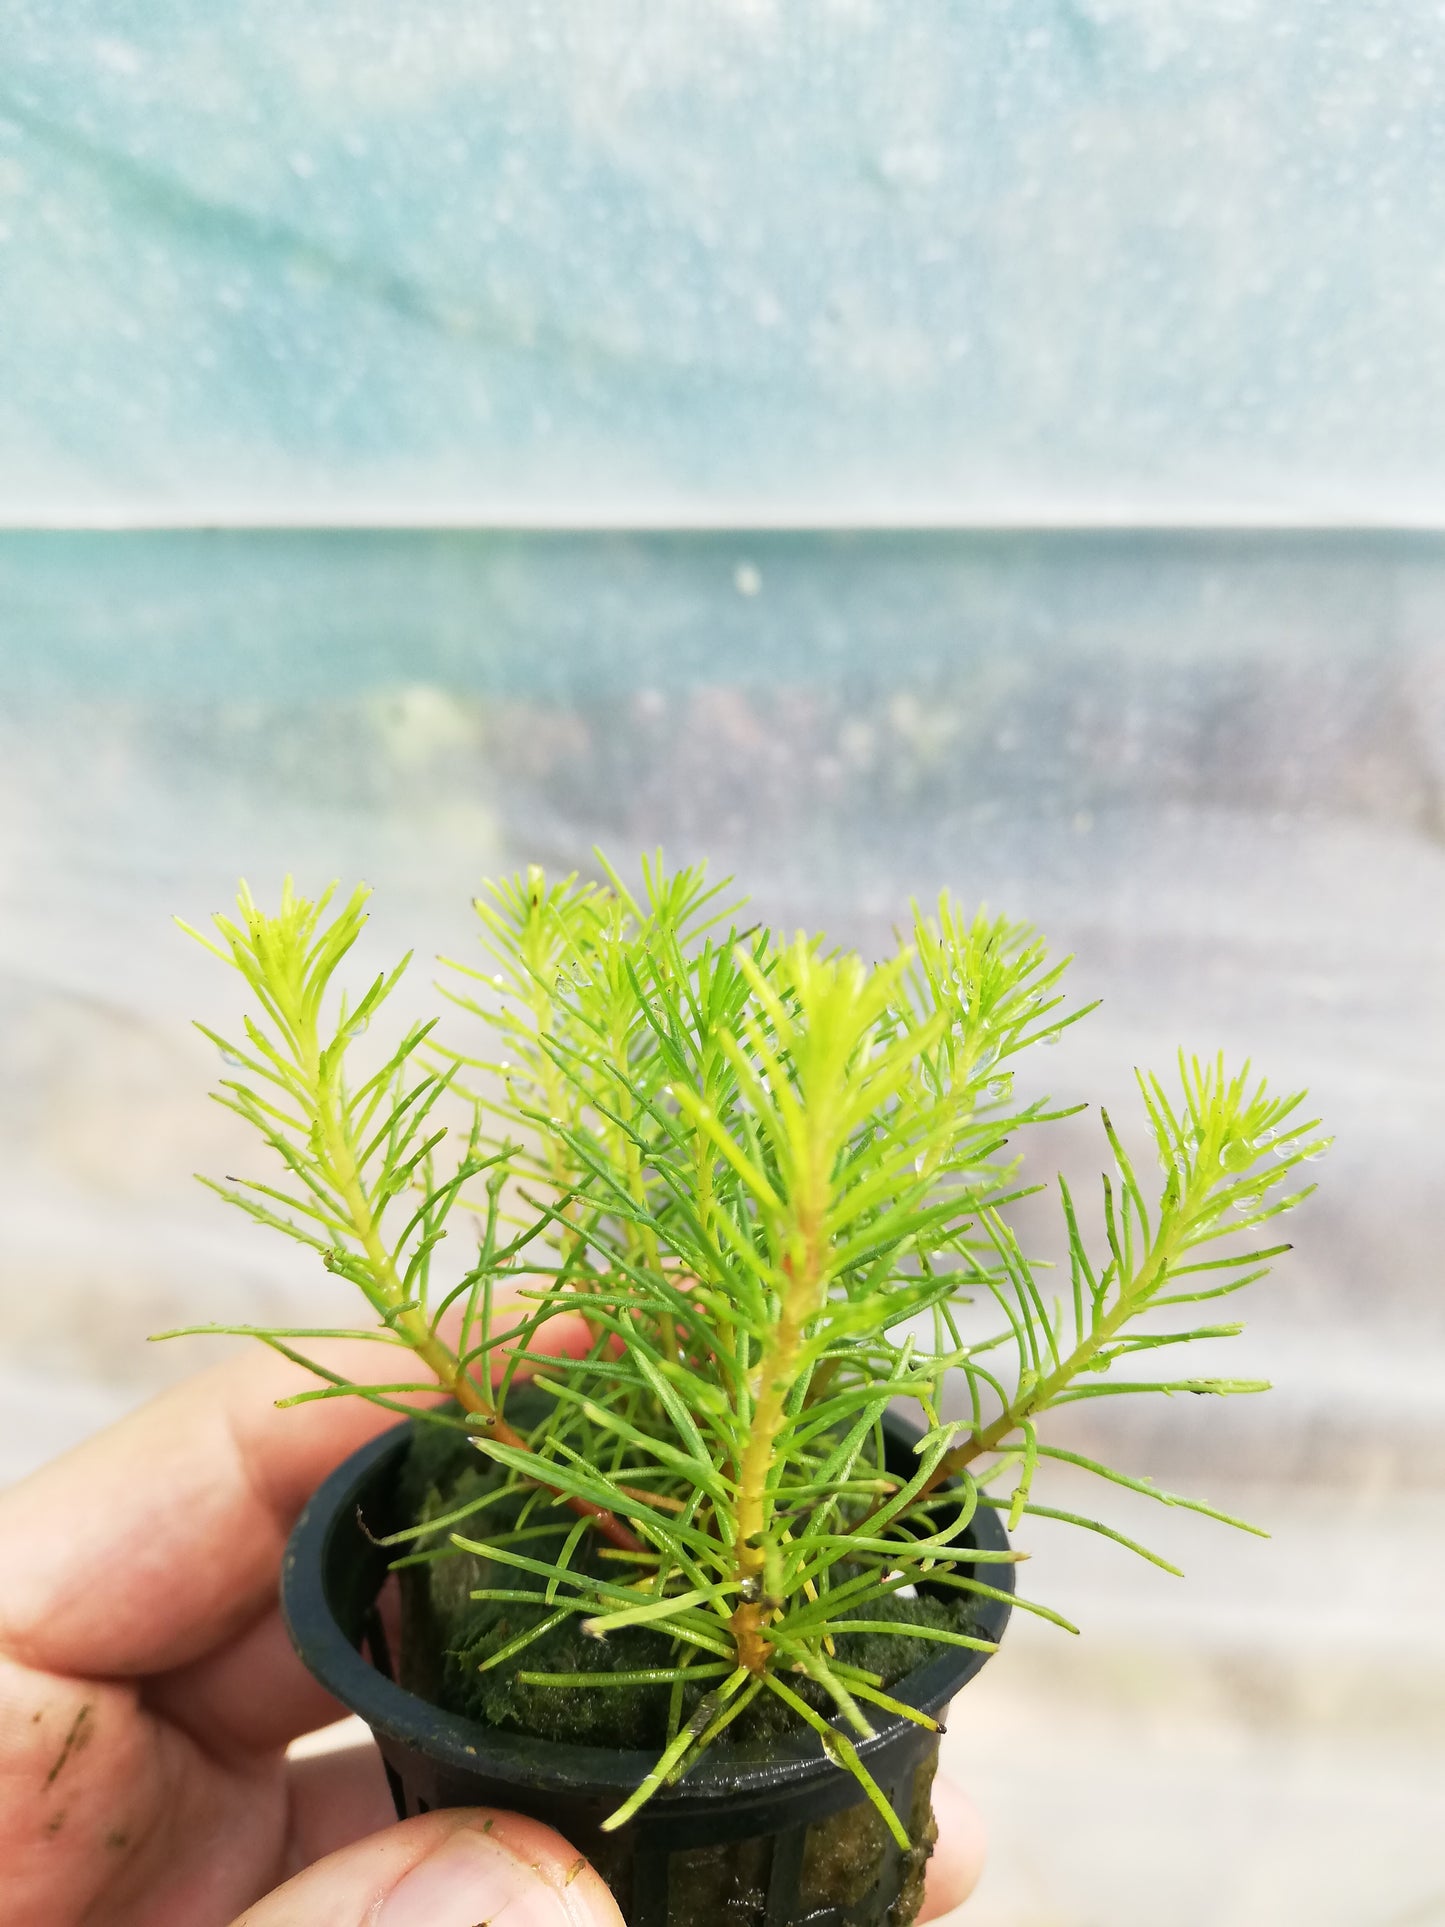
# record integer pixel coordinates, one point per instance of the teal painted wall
(1133, 257)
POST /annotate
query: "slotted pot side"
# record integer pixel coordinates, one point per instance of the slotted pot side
(762, 1836)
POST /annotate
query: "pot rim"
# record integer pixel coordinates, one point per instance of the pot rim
(467, 1746)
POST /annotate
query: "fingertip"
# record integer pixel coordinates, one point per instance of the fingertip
(451, 1868)
(496, 1863)
(958, 1857)
(571, 1872)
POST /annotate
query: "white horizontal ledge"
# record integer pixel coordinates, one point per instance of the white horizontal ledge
(642, 518)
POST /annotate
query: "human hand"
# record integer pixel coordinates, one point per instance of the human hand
(148, 1692)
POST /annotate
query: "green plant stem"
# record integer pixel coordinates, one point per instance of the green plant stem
(1165, 1249)
(626, 1147)
(412, 1324)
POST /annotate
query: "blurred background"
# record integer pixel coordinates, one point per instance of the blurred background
(995, 445)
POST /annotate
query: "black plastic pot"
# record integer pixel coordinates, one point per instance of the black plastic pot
(767, 1837)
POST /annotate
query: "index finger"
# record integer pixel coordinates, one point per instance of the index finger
(155, 1541)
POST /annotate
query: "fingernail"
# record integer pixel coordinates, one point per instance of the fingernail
(474, 1881)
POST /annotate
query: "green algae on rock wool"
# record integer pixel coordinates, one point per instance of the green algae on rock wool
(448, 1637)
(843, 1855)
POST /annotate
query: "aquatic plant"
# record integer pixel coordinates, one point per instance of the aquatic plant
(776, 1182)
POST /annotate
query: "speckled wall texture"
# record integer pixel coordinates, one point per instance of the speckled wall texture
(1131, 257)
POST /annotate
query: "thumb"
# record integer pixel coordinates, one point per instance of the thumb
(458, 1868)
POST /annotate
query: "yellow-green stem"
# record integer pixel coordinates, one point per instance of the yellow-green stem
(1042, 1393)
(412, 1324)
(778, 1371)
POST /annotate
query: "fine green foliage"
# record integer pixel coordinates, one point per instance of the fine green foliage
(775, 1183)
